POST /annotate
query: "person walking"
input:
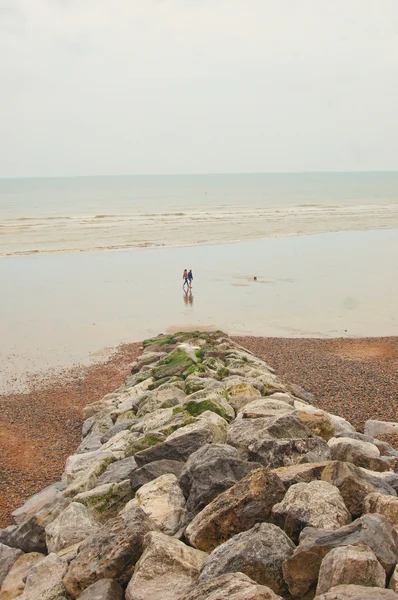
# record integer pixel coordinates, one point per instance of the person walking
(190, 277)
(185, 278)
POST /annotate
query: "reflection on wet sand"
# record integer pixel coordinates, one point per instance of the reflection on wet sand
(188, 296)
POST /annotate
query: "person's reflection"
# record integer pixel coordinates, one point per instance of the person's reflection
(188, 296)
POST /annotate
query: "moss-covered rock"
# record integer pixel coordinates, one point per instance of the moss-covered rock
(151, 438)
(105, 501)
(175, 364)
(214, 401)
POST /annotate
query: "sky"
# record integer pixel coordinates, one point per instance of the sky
(93, 87)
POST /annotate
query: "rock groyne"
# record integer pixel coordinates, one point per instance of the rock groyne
(206, 477)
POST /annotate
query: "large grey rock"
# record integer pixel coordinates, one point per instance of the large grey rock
(258, 552)
(263, 408)
(362, 454)
(281, 453)
(212, 400)
(154, 470)
(14, 582)
(8, 556)
(165, 396)
(209, 471)
(118, 471)
(354, 484)
(357, 592)
(44, 580)
(112, 552)
(350, 565)
(105, 501)
(73, 525)
(374, 428)
(302, 568)
(104, 589)
(232, 586)
(316, 504)
(48, 496)
(302, 473)
(248, 502)
(167, 569)
(208, 428)
(163, 501)
(120, 425)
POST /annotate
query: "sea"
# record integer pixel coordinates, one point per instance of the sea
(83, 214)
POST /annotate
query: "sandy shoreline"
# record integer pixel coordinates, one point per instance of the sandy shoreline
(354, 378)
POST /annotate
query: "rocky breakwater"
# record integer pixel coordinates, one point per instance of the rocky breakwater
(205, 477)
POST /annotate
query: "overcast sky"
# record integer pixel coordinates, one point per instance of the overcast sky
(101, 87)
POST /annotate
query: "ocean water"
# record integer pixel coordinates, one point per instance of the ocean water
(102, 213)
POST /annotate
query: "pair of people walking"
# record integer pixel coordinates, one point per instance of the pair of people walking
(188, 278)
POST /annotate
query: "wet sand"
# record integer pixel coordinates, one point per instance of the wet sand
(65, 309)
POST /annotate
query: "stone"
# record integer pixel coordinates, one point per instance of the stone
(354, 484)
(212, 401)
(163, 501)
(35, 503)
(89, 444)
(318, 423)
(316, 504)
(105, 501)
(356, 565)
(165, 396)
(232, 586)
(112, 552)
(104, 589)
(357, 592)
(209, 471)
(263, 407)
(154, 470)
(358, 452)
(78, 464)
(44, 580)
(117, 443)
(14, 582)
(118, 471)
(195, 384)
(97, 425)
(243, 389)
(167, 569)
(283, 452)
(175, 364)
(375, 428)
(208, 428)
(8, 556)
(73, 525)
(121, 425)
(302, 473)
(301, 569)
(393, 585)
(382, 505)
(300, 392)
(258, 552)
(239, 508)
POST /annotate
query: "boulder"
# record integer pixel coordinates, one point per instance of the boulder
(362, 454)
(209, 400)
(264, 407)
(208, 428)
(209, 471)
(163, 501)
(394, 580)
(8, 556)
(104, 589)
(118, 471)
(283, 452)
(120, 425)
(232, 586)
(44, 580)
(319, 423)
(48, 496)
(374, 428)
(242, 389)
(154, 470)
(357, 592)
(89, 444)
(79, 464)
(302, 473)
(14, 582)
(356, 565)
(175, 364)
(166, 396)
(248, 502)
(73, 525)
(105, 501)
(382, 505)
(112, 552)
(316, 504)
(302, 568)
(258, 552)
(167, 569)
(354, 484)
